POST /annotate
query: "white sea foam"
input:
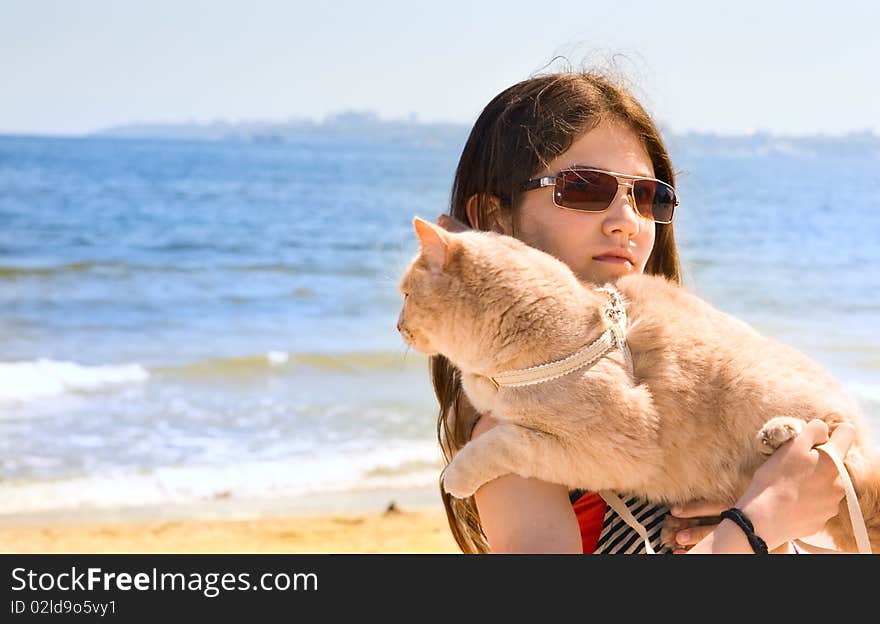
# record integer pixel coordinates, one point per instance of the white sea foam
(401, 465)
(277, 358)
(25, 381)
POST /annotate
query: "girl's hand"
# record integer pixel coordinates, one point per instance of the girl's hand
(792, 495)
(689, 523)
(798, 489)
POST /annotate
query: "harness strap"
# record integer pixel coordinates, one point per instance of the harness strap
(612, 338)
(545, 372)
(623, 511)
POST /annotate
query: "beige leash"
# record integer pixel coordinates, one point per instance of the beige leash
(855, 511)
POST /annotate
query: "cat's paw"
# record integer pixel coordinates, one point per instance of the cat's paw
(457, 481)
(777, 431)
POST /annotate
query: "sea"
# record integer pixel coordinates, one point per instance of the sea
(207, 328)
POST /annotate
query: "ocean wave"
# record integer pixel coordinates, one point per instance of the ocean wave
(362, 360)
(12, 272)
(229, 366)
(8, 272)
(284, 361)
(29, 380)
(398, 464)
(93, 266)
(44, 378)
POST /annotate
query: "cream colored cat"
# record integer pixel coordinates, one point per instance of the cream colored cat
(680, 427)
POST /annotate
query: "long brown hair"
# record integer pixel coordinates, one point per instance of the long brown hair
(518, 133)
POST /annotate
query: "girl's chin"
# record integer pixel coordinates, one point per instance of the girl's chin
(605, 272)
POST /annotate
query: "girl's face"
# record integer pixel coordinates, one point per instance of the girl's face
(581, 238)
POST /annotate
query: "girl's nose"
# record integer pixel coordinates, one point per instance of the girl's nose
(622, 215)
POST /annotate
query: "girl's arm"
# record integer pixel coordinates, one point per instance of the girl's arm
(522, 515)
(792, 495)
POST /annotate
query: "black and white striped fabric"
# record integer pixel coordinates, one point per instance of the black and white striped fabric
(618, 538)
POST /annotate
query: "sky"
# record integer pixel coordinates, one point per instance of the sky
(70, 68)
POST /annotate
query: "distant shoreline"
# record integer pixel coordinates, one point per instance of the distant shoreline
(365, 131)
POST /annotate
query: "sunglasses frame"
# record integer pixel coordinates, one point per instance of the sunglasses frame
(536, 183)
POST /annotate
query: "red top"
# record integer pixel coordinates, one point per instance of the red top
(590, 512)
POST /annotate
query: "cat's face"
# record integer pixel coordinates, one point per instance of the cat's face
(436, 299)
(472, 295)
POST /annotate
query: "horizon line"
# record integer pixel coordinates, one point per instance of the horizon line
(412, 119)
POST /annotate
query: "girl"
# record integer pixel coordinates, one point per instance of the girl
(508, 180)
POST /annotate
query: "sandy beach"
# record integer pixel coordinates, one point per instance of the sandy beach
(417, 531)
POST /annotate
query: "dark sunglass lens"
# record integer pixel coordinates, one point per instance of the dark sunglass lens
(654, 200)
(591, 191)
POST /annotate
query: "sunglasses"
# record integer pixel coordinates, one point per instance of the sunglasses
(593, 190)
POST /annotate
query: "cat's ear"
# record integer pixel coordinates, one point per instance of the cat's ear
(434, 242)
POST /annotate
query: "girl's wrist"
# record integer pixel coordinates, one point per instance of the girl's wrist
(760, 511)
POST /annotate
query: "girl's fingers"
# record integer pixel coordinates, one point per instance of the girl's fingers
(694, 534)
(814, 433)
(842, 438)
(695, 509)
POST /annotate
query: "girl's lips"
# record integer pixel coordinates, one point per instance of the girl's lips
(613, 260)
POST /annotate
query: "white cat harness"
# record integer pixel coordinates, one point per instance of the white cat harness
(612, 338)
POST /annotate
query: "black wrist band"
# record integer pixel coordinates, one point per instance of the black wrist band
(737, 516)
